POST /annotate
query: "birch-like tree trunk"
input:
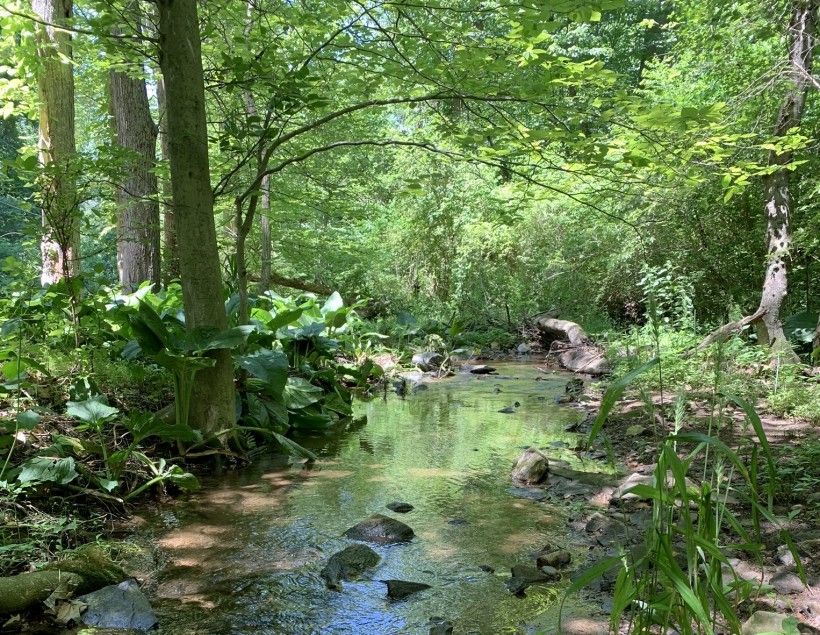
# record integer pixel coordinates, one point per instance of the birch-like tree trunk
(212, 403)
(60, 243)
(138, 230)
(778, 204)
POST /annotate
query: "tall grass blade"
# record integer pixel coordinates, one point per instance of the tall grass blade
(613, 393)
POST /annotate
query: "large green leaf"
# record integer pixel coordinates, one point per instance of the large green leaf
(41, 469)
(300, 393)
(27, 420)
(284, 318)
(267, 365)
(143, 425)
(90, 411)
(294, 448)
(183, 363)
(334, 302)
(211, 339)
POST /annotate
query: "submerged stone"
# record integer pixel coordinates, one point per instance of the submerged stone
(553, 558)
(400, 508)
(381, 529)
(524, 576)
(121, 606)
(348, 564)
(400, 589)
(440, 626)
(480, 369)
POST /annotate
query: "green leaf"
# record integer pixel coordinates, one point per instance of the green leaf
(754, 420)
(300, 393)
(27, 420)
(267, 365)
(310, 421)
(41, 469)
(231, 338)
(284, 318)
(333, 303)
(90, 411)
(183, 363)
(182, 479)
(108, 485)
(143, 425)
(294, 448)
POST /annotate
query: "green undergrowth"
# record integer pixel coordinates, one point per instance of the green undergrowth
(95, 396)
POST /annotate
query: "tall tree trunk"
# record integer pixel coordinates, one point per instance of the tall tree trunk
(766, 319)
(266, 248)
(138, 239)
(778, 195)
(170, 257)
(212, 403)
(60, 244)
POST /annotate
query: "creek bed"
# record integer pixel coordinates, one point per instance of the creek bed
(244, 554)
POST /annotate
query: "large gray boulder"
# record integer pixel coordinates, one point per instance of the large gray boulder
(530, 468)
(381, 530)
(120, 606)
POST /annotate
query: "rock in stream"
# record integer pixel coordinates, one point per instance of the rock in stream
(348, 564)
(400, 589)
(400, 508)
(381, 530)
(530, 468)
(120, 606)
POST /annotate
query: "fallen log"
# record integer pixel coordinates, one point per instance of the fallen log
(563, 330)
(82, 570)
(571, 345)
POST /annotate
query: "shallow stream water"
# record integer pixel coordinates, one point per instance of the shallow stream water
(244, 554)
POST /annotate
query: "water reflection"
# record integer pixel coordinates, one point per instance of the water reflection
(245, 553)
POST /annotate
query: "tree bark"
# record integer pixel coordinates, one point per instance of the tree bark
(170, 257)
(776, 186)
(60, 243)
(266, 246)
(138, 231)
(212, 404)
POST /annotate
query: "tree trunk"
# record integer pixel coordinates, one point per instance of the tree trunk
(138, 232)
(170, 257)
(212, 403)
(766, 319)
(60, 244)
(776, 185)
(815, 345)
(266, 248)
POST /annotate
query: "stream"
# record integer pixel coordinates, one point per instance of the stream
(243, 555)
